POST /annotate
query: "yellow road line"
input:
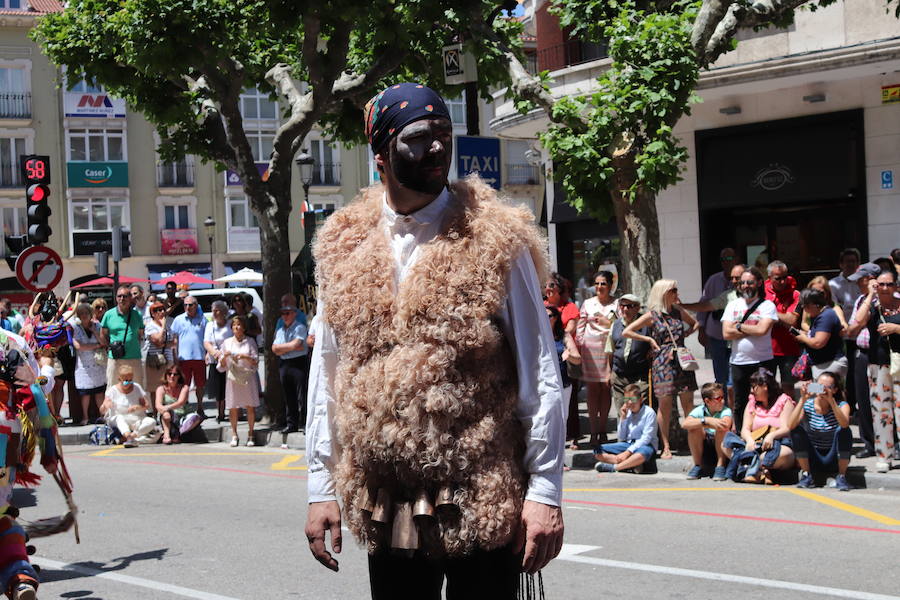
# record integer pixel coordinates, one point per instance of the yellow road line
(107, 451)
(675, 489)
(285, 463)
(860, 512)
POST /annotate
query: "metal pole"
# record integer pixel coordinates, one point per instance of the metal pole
(212, 271)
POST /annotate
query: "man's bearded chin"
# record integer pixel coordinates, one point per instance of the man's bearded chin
(414, 176)
(748, 294)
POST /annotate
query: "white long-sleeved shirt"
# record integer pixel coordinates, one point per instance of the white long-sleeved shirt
(524, 321)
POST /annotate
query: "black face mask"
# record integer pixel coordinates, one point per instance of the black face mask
(49, 310)
(413, 175)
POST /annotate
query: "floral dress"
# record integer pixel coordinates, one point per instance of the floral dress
(591, 339)
(668, 377)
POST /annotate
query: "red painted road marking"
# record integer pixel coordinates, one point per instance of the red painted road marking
(183, 466)
(39, 268)
(728, 516)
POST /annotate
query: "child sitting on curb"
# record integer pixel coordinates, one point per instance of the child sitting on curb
(706, 426)
(637, 436)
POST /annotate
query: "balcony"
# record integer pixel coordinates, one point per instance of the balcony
(522, 174)
(573, 52)
(10, 176)
(326, 174)
(175, 175)
(15, 105)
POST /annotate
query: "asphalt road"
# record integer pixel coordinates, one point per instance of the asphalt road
(216, 523)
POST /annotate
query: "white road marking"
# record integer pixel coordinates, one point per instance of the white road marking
(572, 552)
(136, 581)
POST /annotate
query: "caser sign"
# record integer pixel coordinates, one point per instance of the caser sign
(97, 174)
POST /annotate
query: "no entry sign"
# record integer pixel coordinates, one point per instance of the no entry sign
(39, 269)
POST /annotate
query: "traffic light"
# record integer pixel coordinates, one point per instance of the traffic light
(36, 174)
(121, 243)
(14, 246)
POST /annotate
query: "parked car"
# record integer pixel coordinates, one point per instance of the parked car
(207, 297)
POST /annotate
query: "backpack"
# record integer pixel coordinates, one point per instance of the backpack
(104, 435)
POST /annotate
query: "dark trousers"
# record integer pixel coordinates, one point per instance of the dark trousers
(860, 384)
(821, 457)
(293, 374)
(481, 575)
(852, 396)
(740, 378)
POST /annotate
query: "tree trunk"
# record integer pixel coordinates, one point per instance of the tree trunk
(276, 265)
(639, 232)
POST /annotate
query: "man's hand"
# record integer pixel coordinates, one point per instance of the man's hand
(718, 424)
(322, 517)
(541, 534)
(622, 457)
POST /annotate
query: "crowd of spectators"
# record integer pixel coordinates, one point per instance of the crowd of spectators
(791, 367)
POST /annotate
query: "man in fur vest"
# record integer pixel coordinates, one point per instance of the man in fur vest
(435, 409)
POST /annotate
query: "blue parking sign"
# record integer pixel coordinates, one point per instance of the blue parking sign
(887, 180)
(479, 155)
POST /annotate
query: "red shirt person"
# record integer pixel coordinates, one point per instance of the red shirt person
(781, 289)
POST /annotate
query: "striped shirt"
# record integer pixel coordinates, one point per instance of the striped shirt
(817, 422)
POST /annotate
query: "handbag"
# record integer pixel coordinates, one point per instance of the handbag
(761, 432)
(802, 369)
(895, 356)
(686, 359)
(156, 356)
(573, 370)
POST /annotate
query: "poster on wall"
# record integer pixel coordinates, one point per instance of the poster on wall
(178, 241)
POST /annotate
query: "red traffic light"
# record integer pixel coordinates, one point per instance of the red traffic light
(38, 193)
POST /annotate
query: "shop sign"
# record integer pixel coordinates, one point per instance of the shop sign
(890, 94)
(97, 174)
(479, 155)
(178, 241)
(85, 243)
(232, 178)
(79, 104)
(774, 177)
(243, 239)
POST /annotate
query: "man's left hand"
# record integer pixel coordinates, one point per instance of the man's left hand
(541, 534)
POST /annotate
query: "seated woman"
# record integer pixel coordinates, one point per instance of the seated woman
(820, 425)
(171, 404)
(125, 407)
(637, 436)
(765, 426)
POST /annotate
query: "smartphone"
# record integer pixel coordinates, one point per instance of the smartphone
(815, 388)
(795, 331)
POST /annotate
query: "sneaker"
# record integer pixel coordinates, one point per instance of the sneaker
(719, 474)
(24, 591)
(602, 467)
(695, 472)
(234, 442)
(806, 480)
(882, 467)
(250, 443)
(840, 482)
(132, 443)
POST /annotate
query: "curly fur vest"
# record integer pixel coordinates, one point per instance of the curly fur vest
(426, 384)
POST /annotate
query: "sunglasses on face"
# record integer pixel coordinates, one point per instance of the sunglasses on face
(779, 277)
(717, 398)
(601, 284)
(190, 304)
(627, 305)
(552, 286)
(888, 284)
(123, 296)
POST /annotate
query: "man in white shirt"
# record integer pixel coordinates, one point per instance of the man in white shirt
(747, 322)
(393, 341)
(843, 290)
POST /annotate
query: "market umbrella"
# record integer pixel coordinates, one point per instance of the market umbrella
(184, 278)
(246, 274)
(108, 281)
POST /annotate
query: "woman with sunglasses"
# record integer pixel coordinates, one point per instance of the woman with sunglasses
(125, 408)
(880, 314)
(171, 403)
(158, 343)
(217, 331)
(666, 320)
(238, 361)
(820, 430)
(594, 322)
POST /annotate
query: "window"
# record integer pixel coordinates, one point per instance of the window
(13, 220)
(323, 206)
(177, 174)
(10, 3)
(176, 217)
(87, 87)
(96, 145)
(243, 228)
(99, 214)
(457, 108)
(260, 144)
(15, 99)
(518, 170)
(257, 105)
(327, 168)
(10, 150)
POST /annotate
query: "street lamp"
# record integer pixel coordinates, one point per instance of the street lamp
(210, 225)
(306, 163)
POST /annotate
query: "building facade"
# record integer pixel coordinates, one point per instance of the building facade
(794, 149)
